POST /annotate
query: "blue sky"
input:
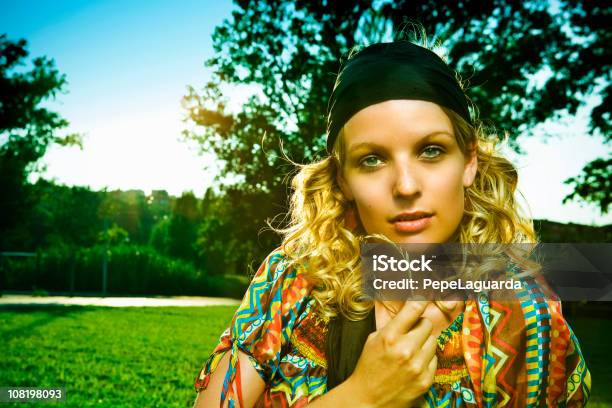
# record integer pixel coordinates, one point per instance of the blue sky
(128, 64)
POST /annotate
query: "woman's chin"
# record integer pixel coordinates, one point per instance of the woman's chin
(415, 239)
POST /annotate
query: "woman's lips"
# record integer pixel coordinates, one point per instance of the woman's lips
(416, 225)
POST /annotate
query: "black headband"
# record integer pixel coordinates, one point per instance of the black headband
(386, 71)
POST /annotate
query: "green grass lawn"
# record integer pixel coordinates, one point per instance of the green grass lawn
(116, 357)
(137, 357)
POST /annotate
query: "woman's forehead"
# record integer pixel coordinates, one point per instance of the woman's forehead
(397, 120)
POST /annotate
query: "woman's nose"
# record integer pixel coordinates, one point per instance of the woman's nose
(406, 182)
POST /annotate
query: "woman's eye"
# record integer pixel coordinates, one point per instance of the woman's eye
(432, 152)
(370, 161)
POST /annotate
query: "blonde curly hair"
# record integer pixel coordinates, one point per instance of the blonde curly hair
(318, 240)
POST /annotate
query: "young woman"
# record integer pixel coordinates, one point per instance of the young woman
(407, 162)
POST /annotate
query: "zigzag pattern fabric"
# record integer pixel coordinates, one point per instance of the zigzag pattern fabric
(519, 353)
(495, 354)
(277, 329)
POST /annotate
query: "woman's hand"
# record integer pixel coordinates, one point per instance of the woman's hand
(398, 361)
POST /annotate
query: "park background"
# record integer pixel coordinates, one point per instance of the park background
(140, 156)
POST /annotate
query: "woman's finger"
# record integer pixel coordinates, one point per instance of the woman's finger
(406, 318)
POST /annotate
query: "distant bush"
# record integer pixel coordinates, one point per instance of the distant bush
(132, 270)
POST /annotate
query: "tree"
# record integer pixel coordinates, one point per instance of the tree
(594, 184)
(26, 127)
(231, 238)
(131, 211)
(62, 215)
(291, 50)
(183, 227)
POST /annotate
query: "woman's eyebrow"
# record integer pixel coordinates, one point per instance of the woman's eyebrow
(364, 145)
(436, 133)
(376, 145)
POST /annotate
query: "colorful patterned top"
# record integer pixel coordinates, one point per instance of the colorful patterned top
(513, 354)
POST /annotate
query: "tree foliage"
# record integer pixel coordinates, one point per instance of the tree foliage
(183, 226)
(594, 184)
(291, 51)
(27, 128)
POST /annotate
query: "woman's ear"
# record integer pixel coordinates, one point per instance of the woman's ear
(469, 173)
(346, 190)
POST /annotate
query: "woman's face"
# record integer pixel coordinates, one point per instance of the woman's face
(405, 171)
